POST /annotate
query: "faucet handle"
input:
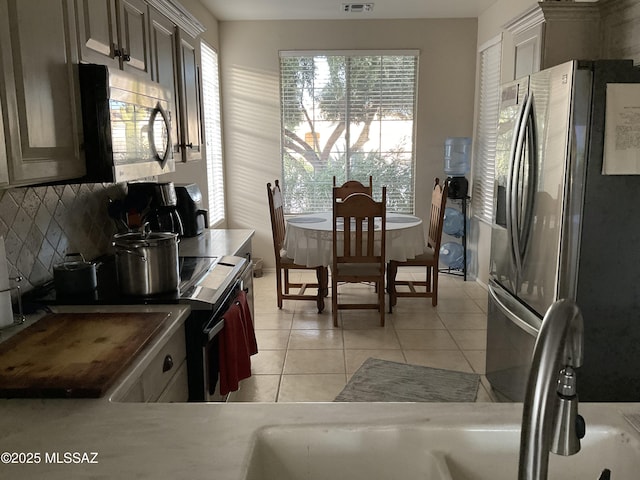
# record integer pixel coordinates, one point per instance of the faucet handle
(581, 427)
(605, 475)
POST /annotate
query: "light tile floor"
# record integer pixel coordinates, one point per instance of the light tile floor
(303, 358)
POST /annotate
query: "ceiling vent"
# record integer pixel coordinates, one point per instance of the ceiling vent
(357, 7)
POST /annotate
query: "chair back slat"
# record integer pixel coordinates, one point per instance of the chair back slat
(358, 214)
(352, 186)
(284, 285)
(428, 260)
(362, 256)
(436, 220)
(276, 209)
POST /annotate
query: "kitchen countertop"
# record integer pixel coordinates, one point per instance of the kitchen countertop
(205, 441)
(214, 243)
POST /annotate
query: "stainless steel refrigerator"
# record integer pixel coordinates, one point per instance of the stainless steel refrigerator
(562, 229)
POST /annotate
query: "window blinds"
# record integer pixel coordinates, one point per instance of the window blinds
(213, 133)
(486, 131)
(348, 114)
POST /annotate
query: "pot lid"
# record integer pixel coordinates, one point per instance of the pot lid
(73, 266)
(137, 239)
(78, 263)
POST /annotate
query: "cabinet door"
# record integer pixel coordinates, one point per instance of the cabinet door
(178, 388)
(39, 88)
(97, 32)
(164, 64)
(189, 102)
(528, 51)
(4, 173)
(133, 21)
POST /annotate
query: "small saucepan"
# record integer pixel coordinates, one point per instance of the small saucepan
(74, 275)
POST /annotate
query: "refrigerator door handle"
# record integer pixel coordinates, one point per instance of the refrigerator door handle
(532, 180)
(516, 227)
(511, 191)
(518, 314)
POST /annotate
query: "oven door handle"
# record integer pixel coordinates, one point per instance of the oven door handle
(213, 328)
(216, 324)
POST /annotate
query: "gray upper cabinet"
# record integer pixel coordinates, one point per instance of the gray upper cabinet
(4, 172)
(97, 32)
(133, 33)
(38, 92)
(115, 33)
(551, 33)
(175, 65)
(164, 64)
(41, 44)
(190, 100)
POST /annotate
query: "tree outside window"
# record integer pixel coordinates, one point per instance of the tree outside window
(348, 116)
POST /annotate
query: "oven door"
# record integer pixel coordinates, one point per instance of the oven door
(203, 349)
(209, 298)
(211, 361)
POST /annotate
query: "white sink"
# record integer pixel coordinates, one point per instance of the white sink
(427, 452)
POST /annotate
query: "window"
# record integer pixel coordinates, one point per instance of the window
(213, 133)
(486, 125)
(348, 114)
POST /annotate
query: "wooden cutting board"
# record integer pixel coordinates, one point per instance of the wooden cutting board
(77, 355)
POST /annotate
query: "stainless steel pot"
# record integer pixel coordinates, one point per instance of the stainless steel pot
(146, 262)
(74, 275)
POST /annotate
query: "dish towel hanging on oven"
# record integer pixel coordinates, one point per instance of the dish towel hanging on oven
(237, 344)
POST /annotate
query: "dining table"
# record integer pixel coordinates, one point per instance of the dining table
(309, 238)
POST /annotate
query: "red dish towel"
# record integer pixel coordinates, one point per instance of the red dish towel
(248, 323)
(237, 344)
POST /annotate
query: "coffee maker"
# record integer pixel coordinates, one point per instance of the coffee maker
(194, 218)
(155, 203)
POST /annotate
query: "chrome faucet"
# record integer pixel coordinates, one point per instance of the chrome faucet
(550, 420)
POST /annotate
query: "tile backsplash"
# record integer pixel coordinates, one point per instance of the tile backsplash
(41, 224)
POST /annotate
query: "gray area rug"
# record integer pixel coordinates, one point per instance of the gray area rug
(384, 381)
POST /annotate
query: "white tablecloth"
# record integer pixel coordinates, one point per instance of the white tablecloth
(309, 238)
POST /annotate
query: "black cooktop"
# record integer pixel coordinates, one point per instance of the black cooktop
(192, 269)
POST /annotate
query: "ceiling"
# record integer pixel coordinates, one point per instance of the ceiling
(226, 10)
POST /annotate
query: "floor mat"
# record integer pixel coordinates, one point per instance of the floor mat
(384, 381)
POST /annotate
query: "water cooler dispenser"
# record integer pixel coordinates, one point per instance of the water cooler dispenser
(457, 162)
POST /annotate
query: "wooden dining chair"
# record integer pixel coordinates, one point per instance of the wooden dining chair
(284, 264)
(358, 254)
(352, 186)
(428, 259)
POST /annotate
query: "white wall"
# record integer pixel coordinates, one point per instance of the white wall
(251, 101)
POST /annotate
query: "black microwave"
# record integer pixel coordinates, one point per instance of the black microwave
(126, 124)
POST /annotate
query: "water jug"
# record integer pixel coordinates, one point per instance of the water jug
(453, 222)
(457, 156)
(452, 255)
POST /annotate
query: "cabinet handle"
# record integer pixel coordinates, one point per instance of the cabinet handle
(168, 364)
(117, 52)
(186, 145)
